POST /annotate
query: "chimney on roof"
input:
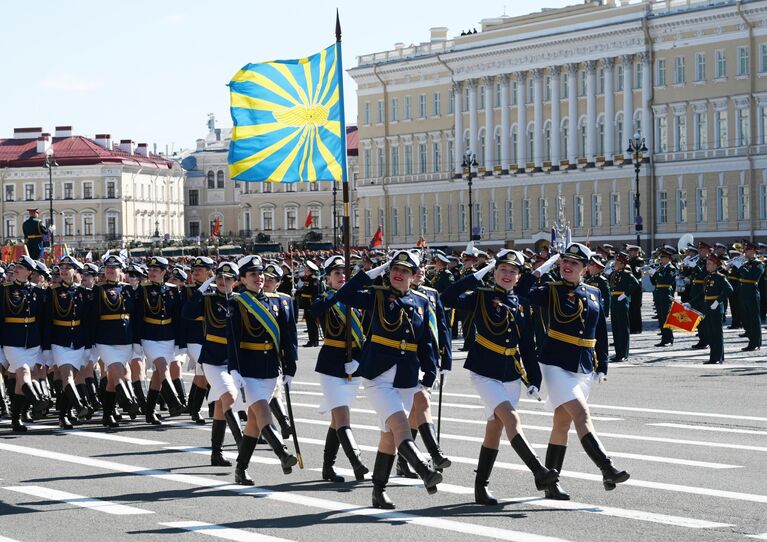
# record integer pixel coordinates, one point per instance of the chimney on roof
(43, 143)
(104, 140)
(63, 131)
(126, 145)
(438, 34)
(143, 150)
(399, 45)
(201, 144)
(27, 133)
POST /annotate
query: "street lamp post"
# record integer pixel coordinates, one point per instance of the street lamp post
(50, 163)
(470, 168)
(636, 148)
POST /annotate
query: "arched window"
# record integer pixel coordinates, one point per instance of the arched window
(211, 179)
(220, 178)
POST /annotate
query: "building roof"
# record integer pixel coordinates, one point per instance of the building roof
(352, 141)
(73, 151)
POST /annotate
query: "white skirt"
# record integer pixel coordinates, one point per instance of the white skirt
(220, 381)
(562, 385)
(19, 357)
(258, 389)
(493, 392)
(68, 356)
(112, 354)
(193, 351)
(386, 399)
(154, 350)
(337, 392)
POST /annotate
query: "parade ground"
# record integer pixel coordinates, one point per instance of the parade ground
(693, 437)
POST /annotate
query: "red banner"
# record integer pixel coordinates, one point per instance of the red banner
(682, 319)
(377, 240)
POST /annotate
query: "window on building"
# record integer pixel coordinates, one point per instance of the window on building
(546, 89)
(423, 220)
(87, 190)
(619, 78)
(720, 127)
(701, 205)
(679, 70)
(436, 157)
(366, 114)
(194, 228)
(615, 209)
(194, 198)
(680, 132)
(29, 192)
(722, 204)
(762, 202)
(10, 227)
(422, 106)
(743, 127)
(368, 223)
(380, 162)
(525, 214)
(514, 145)
(564, 133)
(69, 225)
(394, 165)
(700, 66)
(69, 190)
(762, 124)
(461, 218)
(436, 106)
(743, 61)
(437, 219)
(662, 207)
(380, 117)
(211, 179)
(660, 72)
(582, 142)
(465, 97)
(220, 179)
(267, 187)
(744, 212)
(408, 108)
(763, 58)
(601, 138)
(493, 214)
(291, 218)
(88, 221)
(314, 187)
(451, 102)
(638, 75)
(267, 220)
(422, 158)
(111, 225)
(497, 95)
(578, 211)
(111, 192)
(721, 63)
(408, 159)
(395, 221)
(509, 215)
(661, 133)
(701, 131)
(681, 206)
(543, 214)
(497, 148)
(596, 210)
(394, 112)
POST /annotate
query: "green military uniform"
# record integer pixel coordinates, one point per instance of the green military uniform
(698, 277)
(733, 276)
(749, 275)
(664, 280)
(600, 281)
(715, 290)
(34, 232)
(622, 285)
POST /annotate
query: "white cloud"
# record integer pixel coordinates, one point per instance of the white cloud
(69, 82)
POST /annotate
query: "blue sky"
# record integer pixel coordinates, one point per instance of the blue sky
(153, 70)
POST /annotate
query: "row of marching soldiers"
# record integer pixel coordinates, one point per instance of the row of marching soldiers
(401, 346)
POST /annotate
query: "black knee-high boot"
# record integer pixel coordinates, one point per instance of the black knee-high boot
(543, 476)
(555, 457)
(64, 410)
(595, 451)
(38, 407)
(381, 470)
(429, 436)
(178, 384)
(403, 469)
(217, 431)
(92, 391)
(18, 404)
(138, 391)
(413, 456)
(4, 407)
(352, 451)
(287, 460)
(169, 394)
(234, 426)
(58, 389)
(329, 457)
(194, 403)
(126, 400)
(108, 410)
(73, 401)
(241, 475)
(484, 467)
(281, 416)
(151, 401)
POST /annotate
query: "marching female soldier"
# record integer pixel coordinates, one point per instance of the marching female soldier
(21, 308)
(573, 353)
(502, 357)
(261, 345)
(338, 392)
(399, 343)
(213, 308)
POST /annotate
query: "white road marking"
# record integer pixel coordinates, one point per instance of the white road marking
(97, 433)
(762, 536)
(79, 500)
(291, 498)
(220, 531)
(6, 539)
(708, 428)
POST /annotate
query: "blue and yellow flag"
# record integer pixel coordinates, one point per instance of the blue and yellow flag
(288, 120)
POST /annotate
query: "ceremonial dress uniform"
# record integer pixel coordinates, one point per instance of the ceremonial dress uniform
(602, 283)
(750, 274)
(34, 231)
(635, 265)
(309, 291)
(733, 276)
(501, 359)
(664, 280)
(623, 285)
(337, 389)
(716, 290)
(698, 275)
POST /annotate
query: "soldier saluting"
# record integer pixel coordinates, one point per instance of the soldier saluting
(34, 230)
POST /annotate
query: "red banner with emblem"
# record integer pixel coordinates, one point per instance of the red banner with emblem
(682, 319)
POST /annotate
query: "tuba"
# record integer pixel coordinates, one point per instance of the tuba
(684, 241)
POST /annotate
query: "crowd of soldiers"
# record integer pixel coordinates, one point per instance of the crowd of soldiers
(81, 337)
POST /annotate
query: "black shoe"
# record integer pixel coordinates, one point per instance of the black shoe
(287, 460)
(743, 335)
(429, 436)
(712, 362)
(349, 445)
(108, 417)
(615, 359)
(217, 433)
(484, 467)
(699, 346)
(431, 478)
(18, 405)
(242, 478)
(543, 477)
(330, 453)
(555, 457)
(381, 472)
(595, 451)
(663, 345)
(749, 348)
(175, 408)
(217, 459)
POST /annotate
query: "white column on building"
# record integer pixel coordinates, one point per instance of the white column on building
(572, 112)
(591, 111)
(537, 158)
(473, 116)
(489, 124)
(556, 153)
(608, 64)
(647, 122)
(628, 98)
(458, 114)
(521, 120)
(505, 121)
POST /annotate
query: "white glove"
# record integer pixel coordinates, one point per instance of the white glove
(351, 366)
(286, 380)
(52, 228)
(686, 306)
(205, 285)
(237, 378)
(547, 265)
(714, 305)
(377, 271)
(47, 357)
(479, 275)
(651, 272)
(533, 392)
(444, 371)
(600, 377)
(621, 297)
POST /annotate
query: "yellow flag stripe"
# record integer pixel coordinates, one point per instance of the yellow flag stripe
(247, 163)
(313, 136)
(263, 81)
(316, 95)
(334, 127)
(244, 132)
(333, 166)
(248, 102)
(329, 80)
(283, 69)
(279, 173)
(305, 154)
(308, 76)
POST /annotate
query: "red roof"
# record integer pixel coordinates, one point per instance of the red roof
(352, 140)
(73, 151)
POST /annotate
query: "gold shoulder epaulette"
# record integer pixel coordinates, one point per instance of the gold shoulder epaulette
(427, 288)
(555, 283)
(146, 283)
(379, 287)
(416, 292)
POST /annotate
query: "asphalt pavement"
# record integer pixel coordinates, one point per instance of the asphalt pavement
(693, 437)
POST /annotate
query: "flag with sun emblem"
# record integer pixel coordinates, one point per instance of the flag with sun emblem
(288, 120)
